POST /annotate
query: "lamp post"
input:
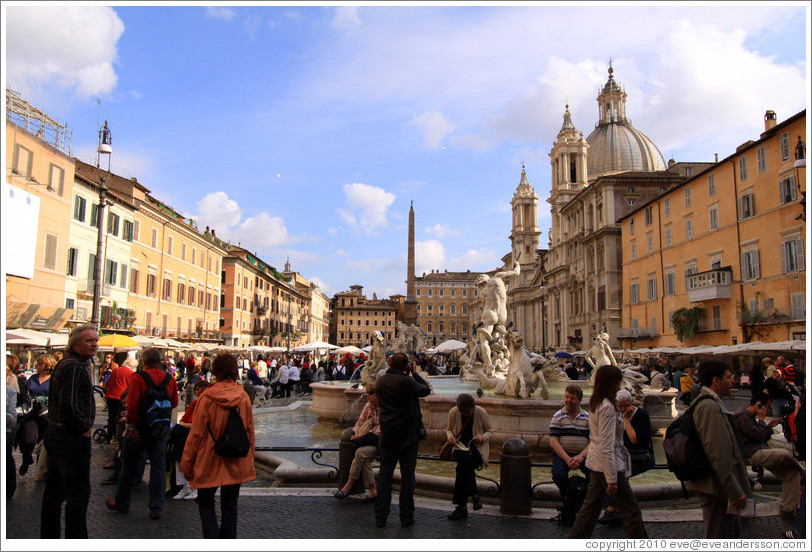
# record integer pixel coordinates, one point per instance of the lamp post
(105, 148)
(800, 163)
(290, 299)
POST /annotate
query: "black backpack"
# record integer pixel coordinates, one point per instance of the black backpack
(233, 442)
(576, 493)
(155, 415)
(684, 453)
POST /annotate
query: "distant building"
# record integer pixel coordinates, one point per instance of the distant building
(443, 303)
(354, 318)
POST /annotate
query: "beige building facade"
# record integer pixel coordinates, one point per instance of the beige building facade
(354, 318)
(444, 305)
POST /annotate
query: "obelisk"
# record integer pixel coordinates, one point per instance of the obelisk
(410, 310)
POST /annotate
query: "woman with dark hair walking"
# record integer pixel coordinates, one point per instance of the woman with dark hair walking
(206, 470)
(608, 461)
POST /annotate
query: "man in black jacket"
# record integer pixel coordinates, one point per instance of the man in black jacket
(71, 413)
(398, 391)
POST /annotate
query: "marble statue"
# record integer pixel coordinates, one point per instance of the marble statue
(376, 363)
(519, 379)
(494, 316)
(601, 352)
(408, 339)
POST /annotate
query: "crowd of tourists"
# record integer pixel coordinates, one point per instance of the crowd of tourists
(596, 450)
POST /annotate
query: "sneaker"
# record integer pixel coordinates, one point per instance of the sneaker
(184, 492)
(610, 517)
(461, 512)
(477, 503)
(191, 496)
(791, 534)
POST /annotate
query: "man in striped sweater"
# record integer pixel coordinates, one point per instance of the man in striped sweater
(569, 438)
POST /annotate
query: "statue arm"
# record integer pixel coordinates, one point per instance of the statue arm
(515, 271)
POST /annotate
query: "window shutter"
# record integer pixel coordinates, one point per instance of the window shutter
(784, 257)
(91, 267)
(756, 270)
(745, 273)
(799, 253)
(30, 163)
(740, 202)
(61, 182)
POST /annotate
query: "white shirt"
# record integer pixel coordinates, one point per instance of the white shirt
(294, 373)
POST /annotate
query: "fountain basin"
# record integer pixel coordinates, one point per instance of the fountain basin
(527, 419)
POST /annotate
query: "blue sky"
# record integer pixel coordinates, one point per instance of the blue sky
(305, 131)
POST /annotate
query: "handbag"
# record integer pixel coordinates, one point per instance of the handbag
(445, 452)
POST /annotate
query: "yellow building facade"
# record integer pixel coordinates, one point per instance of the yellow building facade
(723, 251)
(356, 318)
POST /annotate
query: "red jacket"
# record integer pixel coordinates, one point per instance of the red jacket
(138, 392)
(117, 382)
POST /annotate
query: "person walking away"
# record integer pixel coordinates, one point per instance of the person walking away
(71, 413)
(366, 434)
(34, 423)
(569, 439)
(117, 383)
(753, 434)
(143, 436)
(725, 489)
(182, 434)
(468, 426)
(608, 461)
(206, 470)
(398, 390)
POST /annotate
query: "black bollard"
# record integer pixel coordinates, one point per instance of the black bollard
(514, 475)
(346, 453)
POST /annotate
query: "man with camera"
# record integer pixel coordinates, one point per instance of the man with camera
(753, 433)
(398, 390)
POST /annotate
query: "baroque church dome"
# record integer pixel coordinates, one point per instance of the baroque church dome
(615, 145)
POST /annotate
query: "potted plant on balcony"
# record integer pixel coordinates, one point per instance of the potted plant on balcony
(575, 340)
(686, 322)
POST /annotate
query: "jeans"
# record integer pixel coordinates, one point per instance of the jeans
(113, 410)
(118, 464)
(130, 458)
(229, 496)
(407, 456)
(69, 482)
(561, 473)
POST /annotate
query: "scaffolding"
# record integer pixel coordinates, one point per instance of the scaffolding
(35, 121)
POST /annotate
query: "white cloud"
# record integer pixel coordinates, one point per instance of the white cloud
(53, 49)
(346, 18)
(366, 206)
(339, 253)
(325, 288)
(441, 231)
(428, 255)
(434, 126)
(218, 12)
(481, 259)
(263, 231)
(251, 24)
(219, 212)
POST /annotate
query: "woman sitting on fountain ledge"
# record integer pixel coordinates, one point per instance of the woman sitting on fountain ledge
(469, 428)
(365, 437)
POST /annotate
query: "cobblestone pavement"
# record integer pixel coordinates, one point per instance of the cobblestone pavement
(266, 513)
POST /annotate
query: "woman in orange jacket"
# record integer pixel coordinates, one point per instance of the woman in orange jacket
(203, 468)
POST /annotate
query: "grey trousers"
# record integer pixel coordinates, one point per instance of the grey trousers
(718, 523)
(625, 503)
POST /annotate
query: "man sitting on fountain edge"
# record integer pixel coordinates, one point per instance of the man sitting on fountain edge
(569, 438)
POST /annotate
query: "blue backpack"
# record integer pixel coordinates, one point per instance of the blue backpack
(154, 418)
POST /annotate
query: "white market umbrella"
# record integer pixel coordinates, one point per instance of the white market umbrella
(352, 349)
(314, 346)
(173, 344)
(450, 346)
(22, 336)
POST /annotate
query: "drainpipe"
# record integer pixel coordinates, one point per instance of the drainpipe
(662, 268)
(738, 235)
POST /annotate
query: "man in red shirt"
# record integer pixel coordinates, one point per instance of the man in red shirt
(117, 383)
(136, 439)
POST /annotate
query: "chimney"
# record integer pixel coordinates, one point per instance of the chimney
(716, 157)
(769, 120)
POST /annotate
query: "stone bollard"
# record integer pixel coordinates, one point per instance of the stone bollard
(514, 475)
(346, 453)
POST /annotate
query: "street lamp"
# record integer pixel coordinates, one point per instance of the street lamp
(290, 299)
(800, 163)
(105, 148)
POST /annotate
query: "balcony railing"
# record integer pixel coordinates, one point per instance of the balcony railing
(637, 332)
(711, 284)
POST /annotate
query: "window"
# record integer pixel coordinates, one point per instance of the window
(631, 202)
(761, 156)
(133, 280)
(670, 282)
(73, 258)
(70, 304)
(136, 230)
(668, 237)
(191, 296)
(49, 261)
(112, 223)
(56, 178)
(634, 293)
(717, 317)
(151, 282)
(465, 309)
(650, 241)
(453, 308)
(154, 239)
(169, 246)
(441, 294)
(769, 304)
(429, 290)
(79, 208)
(651, 286)
(200, 298)
(798, 306)
(648, 215)
(465, 293)
(667, 206)
(183, 252)
(23, 160)
(127, 231)
(688, 171)
(742, 168)
(750, 269)
(110, 272)
(418, 292)
(713, 213)
(687, 196)
(181, 292)
(631, 226)
(792, 255)
(429, 326)
(91, 267)
(689, 229)
(94, 215)
(747, 207)
(123, 280)
(785, 146)
(167, 290)
(787, 190)
(633, 250)
(194, 260)
(711, 184)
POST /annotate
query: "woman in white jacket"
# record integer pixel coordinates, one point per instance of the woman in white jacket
(608, 461)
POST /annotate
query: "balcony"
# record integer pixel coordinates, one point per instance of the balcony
(261, 311)
(634, 333)
(85, 287)
(711, 284)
